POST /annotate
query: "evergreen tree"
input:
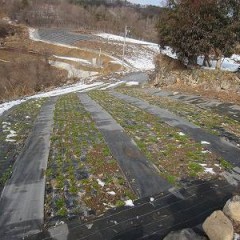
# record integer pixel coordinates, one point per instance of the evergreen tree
(195, 27)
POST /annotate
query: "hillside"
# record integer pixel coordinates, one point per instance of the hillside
(106, 136)
(87, 15)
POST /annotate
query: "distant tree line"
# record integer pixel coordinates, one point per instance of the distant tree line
(195, 27)
(101, 15)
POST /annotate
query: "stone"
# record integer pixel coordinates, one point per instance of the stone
(184, 234)
(225, 85)
(218, 226)
(232, 208)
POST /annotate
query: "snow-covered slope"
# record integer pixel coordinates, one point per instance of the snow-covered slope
(144, 53)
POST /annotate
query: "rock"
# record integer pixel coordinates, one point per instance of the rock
(184, 234)
(218, 227)
(232, 208)
(225, 85)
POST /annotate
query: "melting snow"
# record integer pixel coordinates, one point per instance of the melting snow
(113, 85)
(181, 134)
(209, 170)
(33, 35)
(101, 183)
(11, 135)
(206, 151)
(89, 226)
(236, 57)
(206, 169)
(79, 60)
(236, 236)
(121, 39)
(132, 83)
(72, 71)
(205, 142)
(58, 91)
(141, 58)
(8, 105)
(112, 193)
(129, 203)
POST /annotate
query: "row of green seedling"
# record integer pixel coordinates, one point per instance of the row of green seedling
(15, 127)
(176, 156)
(213, 122)
(83, 179)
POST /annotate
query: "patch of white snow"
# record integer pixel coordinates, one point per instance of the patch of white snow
(111, 193)
(58, 91)
(101, 183)
(205, 143)
(209, 170)
(181, 134)
(132, 83)
(112, 37)
(72, 71)
(129, 203)
(113, 85)
(205, 151)
(79, 60)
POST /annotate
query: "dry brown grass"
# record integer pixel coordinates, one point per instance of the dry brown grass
(22, 71)
(23, 74)
(24, 66)
(41, 47)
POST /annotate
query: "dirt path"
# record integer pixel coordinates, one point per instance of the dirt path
(22, 200)
(223, 148)
(140, 173)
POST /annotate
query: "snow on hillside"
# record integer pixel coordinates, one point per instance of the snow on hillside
(140, 54)
(58, 91)
(112, 37)
(228, 64)
(143, 57)
(72, 71)
(78, 60)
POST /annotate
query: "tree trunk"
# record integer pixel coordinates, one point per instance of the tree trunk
(206, 61)
(192, 60)
(218, 55)
(219, 63)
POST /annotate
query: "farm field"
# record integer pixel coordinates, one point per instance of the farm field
(86, 179)
(98, 153)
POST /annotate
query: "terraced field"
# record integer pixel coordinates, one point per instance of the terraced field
(83, 179)
(177, 157)
(106, 151)
(221, 125)
(15, 127)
